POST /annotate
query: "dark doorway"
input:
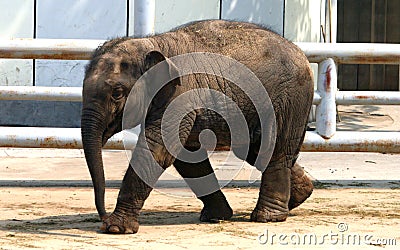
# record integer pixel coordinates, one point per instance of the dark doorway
(368, 21)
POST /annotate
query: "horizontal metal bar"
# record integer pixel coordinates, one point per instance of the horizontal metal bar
(74, 94)
(69, 138)
(317, 98)
(23, 93)
(81, 49)
(352, 53)
(65, 49)
(32, 137)
(64, 94)
(350, 141)
(368, 98)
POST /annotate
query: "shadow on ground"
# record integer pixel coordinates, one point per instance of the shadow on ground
(55, 225)
(91, 222)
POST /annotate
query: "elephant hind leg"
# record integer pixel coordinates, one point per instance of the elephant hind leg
(201, 179)
(301, 186)
(284, 184)
(272, 204)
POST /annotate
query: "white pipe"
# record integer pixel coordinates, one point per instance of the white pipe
(352, 53)
(333, 22)
(350, 141)
(317, 98)
(326, 109)
(144, 17)
(74, 94)
(65, 49)
(23, 93)
(368, 98)
(69, 49)
(39, 137)
(33, 137)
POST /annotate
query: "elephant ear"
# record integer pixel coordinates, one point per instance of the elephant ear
(165, 73)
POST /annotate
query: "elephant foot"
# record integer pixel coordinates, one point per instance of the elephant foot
(121, 221)
(117, 224)
(216, 208)
(267, 215)
(301, 186)
(215, 213)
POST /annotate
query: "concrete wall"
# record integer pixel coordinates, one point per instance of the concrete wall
(103, 19)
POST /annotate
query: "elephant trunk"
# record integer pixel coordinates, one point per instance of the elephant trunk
(92, 129)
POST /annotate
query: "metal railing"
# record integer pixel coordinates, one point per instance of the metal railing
(326, 97)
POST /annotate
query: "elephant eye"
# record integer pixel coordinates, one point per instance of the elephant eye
(118, 93)
(124, 66)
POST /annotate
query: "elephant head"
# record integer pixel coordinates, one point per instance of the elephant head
(113, 71)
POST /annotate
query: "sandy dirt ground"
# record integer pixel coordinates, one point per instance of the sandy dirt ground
(65, 218)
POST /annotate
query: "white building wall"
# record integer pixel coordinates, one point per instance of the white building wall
(16, 21)
(75, 19)
(173, 13)
(72, 19)
(303, 20)
(264, 12)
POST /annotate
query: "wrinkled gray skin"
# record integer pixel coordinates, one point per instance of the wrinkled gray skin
(115, 67)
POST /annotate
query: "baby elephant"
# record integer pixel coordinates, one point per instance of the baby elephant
(228, 74)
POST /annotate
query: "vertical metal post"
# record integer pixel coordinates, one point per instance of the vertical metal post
(330, 20)
(333, 23)
(326, 87)
(144, 17)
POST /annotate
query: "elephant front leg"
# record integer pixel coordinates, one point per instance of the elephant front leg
(272, 204)
(133, 193)
(149, 160)
(145, 168)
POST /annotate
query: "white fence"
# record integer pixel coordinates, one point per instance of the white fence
(326, 97)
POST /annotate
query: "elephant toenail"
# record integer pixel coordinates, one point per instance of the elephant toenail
(103, 227)
(114, 229)
(128, 231)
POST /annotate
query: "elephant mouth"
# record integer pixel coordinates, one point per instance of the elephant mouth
(112, 129)
(105, 138)
(107, 134)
